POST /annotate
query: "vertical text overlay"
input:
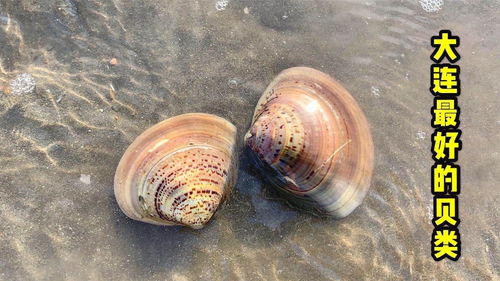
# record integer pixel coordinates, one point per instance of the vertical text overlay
(446, 143)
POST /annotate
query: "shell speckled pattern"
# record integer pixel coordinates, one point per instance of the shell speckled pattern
(179, 171)
(311, 140)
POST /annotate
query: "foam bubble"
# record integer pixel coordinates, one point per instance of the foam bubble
(431, 6)
(221, 5)
(23, 84)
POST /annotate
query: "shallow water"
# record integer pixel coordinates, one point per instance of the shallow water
(60, 144)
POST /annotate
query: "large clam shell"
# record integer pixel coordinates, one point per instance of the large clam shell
(311, 140)
(178, 171)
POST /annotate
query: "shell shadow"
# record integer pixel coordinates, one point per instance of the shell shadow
(151, 248)
(259, 215)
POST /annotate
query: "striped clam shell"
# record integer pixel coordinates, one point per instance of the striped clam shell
(178, 172)
(311, 140)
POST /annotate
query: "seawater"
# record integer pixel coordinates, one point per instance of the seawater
(107, 70)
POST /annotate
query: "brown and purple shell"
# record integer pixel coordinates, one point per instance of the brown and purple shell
(178, 172)
(311, 140)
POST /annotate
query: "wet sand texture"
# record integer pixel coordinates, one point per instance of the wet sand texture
(61, 143)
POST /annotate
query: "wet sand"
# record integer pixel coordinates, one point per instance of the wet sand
(60, 144)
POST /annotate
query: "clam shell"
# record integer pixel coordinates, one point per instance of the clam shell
(178, 172)
(311, 140)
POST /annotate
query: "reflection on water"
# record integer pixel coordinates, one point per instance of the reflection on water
(106, 70)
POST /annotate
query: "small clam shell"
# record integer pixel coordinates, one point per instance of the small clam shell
(312, 141)
(178, 172)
